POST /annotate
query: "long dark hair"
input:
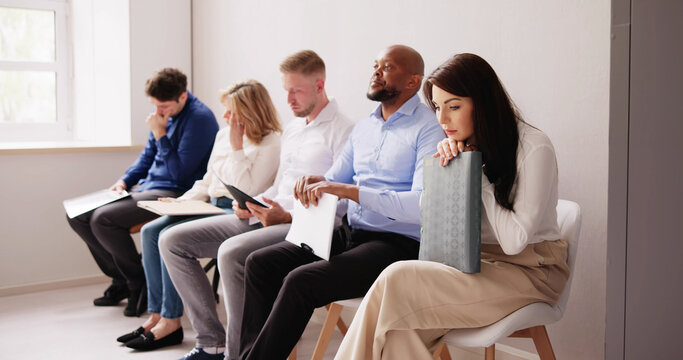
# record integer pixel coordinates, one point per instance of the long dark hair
(495, 117)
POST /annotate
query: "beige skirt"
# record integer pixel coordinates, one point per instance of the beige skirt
(412, 304)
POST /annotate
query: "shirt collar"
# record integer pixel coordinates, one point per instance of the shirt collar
(189, 99)
(407, 109)
(327, 113)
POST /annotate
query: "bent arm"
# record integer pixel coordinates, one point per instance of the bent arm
(404, 206)
(536, 179)
(183, 159)
(142, 164)
(254, 172)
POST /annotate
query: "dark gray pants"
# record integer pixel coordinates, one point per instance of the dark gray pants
(106, 232)
(284, 284)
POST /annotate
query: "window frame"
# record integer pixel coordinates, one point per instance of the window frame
(61, 130)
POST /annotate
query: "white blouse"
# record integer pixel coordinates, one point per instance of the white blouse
(534, 197)
(251, 169)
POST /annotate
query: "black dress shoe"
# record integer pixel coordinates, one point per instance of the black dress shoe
(146, 341)
(137, 302)
(131, 335)
(112, 296)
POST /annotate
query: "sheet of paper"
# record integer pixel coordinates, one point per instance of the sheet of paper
(184, 207)
(312, 228)
(83, 204)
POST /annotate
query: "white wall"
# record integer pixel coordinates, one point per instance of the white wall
(160, 37)
(101, 54)
(117, 46)
(552, 56)
(37, 244)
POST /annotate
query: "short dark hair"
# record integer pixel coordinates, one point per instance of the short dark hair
(166, 84)
(495, 116)
(306, 62)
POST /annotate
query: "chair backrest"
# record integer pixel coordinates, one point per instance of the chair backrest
(569, 220)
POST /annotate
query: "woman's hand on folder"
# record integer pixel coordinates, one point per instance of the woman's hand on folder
(449, 148)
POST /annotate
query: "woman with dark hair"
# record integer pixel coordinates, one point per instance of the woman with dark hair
(414, 303)
(242, 155)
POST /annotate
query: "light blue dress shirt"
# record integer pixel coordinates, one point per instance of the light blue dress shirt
(385, 160)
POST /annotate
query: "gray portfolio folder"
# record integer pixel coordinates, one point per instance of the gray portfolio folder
(450, 212)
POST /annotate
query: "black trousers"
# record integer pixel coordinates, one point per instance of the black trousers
(285, 283)
(106, 232)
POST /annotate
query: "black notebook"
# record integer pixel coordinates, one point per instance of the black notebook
(450, 212)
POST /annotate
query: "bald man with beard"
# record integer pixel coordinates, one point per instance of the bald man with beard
(380, 172)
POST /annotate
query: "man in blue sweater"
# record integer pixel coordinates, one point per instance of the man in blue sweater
(177, 151)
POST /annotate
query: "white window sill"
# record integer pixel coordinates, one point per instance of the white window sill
(51, 147)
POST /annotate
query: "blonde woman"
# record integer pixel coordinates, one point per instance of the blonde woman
(245, 154)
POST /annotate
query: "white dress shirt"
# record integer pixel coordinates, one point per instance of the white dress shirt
(308, 149)
(534, 197)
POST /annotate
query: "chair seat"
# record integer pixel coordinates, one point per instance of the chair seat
(531, 315)
(351, 303)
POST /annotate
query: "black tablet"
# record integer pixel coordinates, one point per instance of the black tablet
(242, 198)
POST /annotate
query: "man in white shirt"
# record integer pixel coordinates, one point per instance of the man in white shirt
(310, 144)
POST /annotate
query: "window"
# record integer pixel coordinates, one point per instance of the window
(34, 78)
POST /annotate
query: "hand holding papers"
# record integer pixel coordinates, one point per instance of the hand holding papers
(312, 227)
(82, 204)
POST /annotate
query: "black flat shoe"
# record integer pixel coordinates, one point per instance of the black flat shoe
(131, 335)
(137, 302)
(147, 342)
(112, 296)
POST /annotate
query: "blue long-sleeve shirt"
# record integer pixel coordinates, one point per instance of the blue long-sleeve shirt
(385, 160)
(179, 158)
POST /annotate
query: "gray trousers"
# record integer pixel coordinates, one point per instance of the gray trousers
(180, 248)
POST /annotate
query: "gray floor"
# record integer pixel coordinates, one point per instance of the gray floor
(63, 324)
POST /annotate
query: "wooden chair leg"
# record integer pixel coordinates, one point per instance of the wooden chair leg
(332, 319)
(292, 355)
(341, 325)
(542, 342)
(441, 352)
(137, 227)
(445, 354)
(490, 352)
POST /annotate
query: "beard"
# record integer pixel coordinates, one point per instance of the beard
(388, 93)
(305, 112)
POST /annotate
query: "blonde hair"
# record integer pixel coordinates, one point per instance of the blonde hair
(251, 102)
(306, 62)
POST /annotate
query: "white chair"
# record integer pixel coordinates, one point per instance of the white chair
(529, 321)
